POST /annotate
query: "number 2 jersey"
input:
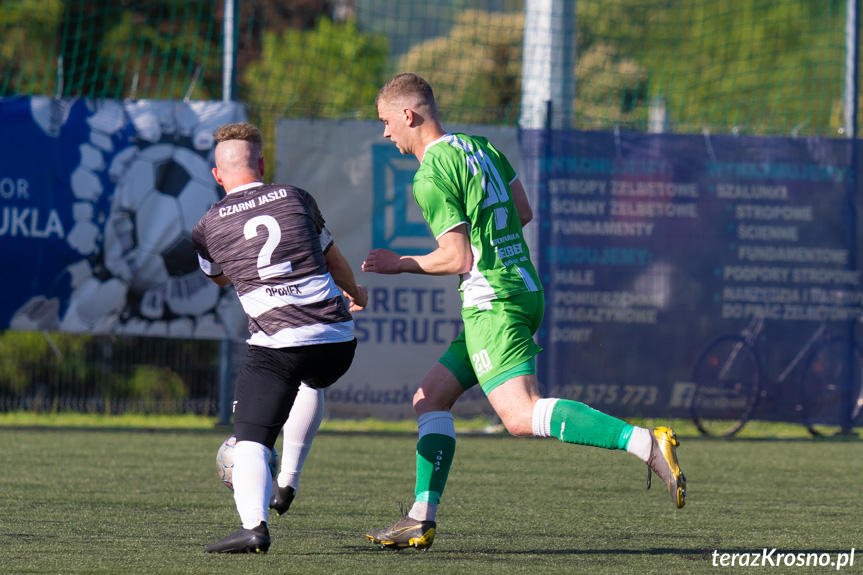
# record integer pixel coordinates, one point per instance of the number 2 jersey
(465, 180)
(270, 241)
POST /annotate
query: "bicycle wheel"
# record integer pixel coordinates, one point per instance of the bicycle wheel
(822, 395)
(727, 385)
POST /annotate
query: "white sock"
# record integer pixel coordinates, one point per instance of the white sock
(423, 511)
(253, 483)
(299, 431)
(440, 422)
(542, 416)
(640, 443)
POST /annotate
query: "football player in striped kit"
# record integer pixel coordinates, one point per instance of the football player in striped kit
(272, 244)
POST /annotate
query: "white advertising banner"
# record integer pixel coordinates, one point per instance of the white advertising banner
(363, 186)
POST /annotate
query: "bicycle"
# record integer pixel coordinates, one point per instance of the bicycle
(730, 381)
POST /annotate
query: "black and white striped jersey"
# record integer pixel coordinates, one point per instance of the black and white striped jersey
(270, 241)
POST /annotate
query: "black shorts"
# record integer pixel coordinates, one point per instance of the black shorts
(268, 382)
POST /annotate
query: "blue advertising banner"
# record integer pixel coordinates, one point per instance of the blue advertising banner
(713, 277)
(97, 203)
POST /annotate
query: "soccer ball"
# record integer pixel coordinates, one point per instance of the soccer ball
(162, 191)
(225, 462)
(161, 194)
(142, 182)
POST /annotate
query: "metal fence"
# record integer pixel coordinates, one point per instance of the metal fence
(50, 372)
(695, 66)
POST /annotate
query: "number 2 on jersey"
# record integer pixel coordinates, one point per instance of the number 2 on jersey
(266, 269)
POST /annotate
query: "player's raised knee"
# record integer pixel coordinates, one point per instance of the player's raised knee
(518, 425)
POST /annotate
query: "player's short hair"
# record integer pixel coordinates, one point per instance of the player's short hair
(407, 85)
(238, 131)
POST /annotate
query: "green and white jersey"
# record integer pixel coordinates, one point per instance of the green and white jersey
(465, 180)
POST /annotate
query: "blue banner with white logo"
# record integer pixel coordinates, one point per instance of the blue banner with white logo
(97, 203)
(687, 274)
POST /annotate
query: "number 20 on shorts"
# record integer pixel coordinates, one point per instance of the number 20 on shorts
(481, 362)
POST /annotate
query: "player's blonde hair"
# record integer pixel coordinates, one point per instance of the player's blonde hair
(239, 131)
(408, 88)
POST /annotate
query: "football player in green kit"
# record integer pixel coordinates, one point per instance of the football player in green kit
(476, 206)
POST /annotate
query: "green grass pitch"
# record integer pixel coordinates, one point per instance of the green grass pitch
(123, 501)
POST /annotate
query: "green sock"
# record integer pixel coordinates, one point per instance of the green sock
(575, 422)
(434, 458)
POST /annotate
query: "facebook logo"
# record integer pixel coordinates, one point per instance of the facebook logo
(397, 221)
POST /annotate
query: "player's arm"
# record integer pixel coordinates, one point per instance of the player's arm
(453, 256)
(214, 272)
(522, 205)
(343, 275)
(210, 268)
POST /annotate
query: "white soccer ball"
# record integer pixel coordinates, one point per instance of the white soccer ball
(133, 237)
(225, 462)
(160, 196)
(162, 191)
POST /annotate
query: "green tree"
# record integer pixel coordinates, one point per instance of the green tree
(481, 81)
(743, 65)
(157, 389)
(763, 68)
(28, 50)
(159, 57)
(42, 363)
(330, 71)
(154, 49)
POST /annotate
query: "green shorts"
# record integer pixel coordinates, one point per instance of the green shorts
(496, 344)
